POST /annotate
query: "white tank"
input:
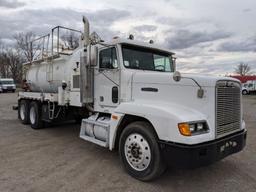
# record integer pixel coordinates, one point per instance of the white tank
(48, 76)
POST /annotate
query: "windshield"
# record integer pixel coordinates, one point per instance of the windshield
(6, 82)
(146, 59)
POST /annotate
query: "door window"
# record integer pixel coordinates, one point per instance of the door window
(108, 59)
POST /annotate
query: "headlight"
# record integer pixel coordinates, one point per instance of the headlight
(193, 128)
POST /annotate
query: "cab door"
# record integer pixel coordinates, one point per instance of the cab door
(107, 80)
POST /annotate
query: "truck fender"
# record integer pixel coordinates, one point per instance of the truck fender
(164, 117)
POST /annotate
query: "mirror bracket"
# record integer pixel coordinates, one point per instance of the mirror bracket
(177, 77)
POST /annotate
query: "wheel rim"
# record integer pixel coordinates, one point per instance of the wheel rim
(22, 111)
(137, 152)
(32, 115)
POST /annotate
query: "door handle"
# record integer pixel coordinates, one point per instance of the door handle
(115, 94)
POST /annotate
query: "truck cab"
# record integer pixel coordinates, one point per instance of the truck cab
(249, 87)
(196, 119)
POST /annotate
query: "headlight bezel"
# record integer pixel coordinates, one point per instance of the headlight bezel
(191, 128)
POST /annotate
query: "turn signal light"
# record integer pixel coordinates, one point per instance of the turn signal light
(184, 129)
(114, 117)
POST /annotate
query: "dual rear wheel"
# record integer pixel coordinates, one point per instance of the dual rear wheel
(30, 113)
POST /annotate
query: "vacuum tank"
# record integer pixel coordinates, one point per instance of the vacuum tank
(47, 76)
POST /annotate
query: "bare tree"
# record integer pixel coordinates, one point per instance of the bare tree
(10, 62)
(4, 70)
(14, 61)
(243, 69)
(24, 45)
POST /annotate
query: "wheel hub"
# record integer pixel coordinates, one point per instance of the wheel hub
(137, 152)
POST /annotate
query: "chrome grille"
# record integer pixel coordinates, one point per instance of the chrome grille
(228, 104)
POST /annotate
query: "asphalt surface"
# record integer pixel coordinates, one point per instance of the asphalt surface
(55, 159)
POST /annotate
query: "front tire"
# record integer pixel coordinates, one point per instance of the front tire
(139, 151)
(35, 115)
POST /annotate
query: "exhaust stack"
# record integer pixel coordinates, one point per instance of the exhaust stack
(86, 31)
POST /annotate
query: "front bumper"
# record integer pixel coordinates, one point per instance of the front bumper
(9, 88)
(191, 156)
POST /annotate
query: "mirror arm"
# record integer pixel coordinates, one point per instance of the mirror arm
(193, 80)
(177, 77)
(200, 92)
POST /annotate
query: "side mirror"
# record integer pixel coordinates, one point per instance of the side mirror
(177, 76)
(92, 55)
(174, 63)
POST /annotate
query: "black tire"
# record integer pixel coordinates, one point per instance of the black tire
(46, 124)
(35, 115)
(13, 91)
(78, 119)
(23, 107)
(156, 165)
(244, 92)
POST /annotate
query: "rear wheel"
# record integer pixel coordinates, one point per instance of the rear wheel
(35, 116)
(140, 153)
(244, 92)
(23, 111)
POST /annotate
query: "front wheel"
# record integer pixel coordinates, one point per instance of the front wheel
(139, 151)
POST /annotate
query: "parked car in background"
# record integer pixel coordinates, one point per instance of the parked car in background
(7, 85)
(249, 87)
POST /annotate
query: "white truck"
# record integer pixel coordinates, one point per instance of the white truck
(7, 84)
(131, 98)
(249, 87)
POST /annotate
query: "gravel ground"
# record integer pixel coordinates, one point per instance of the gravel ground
(55, 159)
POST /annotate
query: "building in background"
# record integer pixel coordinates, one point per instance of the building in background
(244, 79)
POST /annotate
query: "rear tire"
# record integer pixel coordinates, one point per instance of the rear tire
(78, 119)
(35, 115)
(23, 111)
(244, 92)
(139, 151)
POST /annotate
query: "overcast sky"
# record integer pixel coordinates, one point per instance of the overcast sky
(209, 36)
